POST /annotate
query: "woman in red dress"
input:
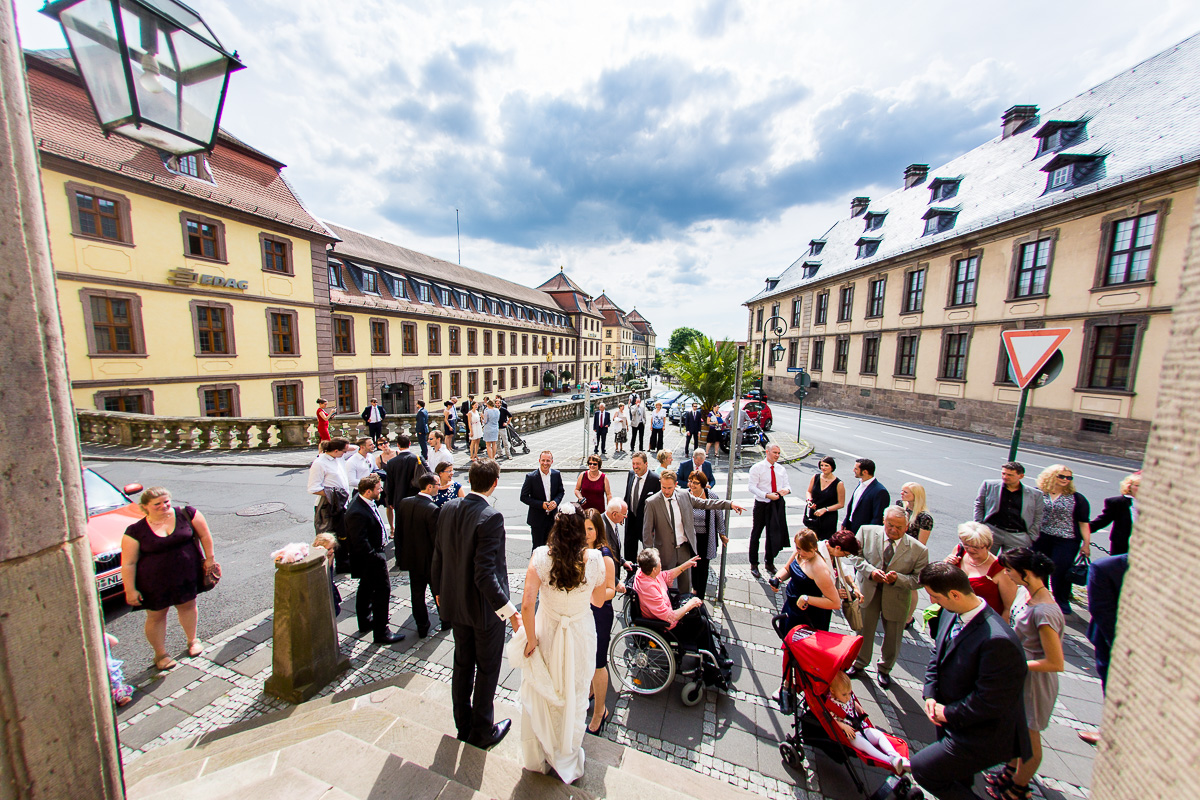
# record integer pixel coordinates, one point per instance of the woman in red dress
(592, 489)
(973, 555)
(323, 417)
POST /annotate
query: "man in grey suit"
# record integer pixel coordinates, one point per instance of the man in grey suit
(670, 526)
(887, 570)
(1010, 509)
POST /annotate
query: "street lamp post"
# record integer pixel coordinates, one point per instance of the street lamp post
(776, 326)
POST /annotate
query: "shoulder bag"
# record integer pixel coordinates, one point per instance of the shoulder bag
(207, 577)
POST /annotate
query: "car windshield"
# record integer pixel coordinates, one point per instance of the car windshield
(100, 495)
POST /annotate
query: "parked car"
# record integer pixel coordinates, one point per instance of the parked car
(110, 512)
(755, 394)
(678, 406)
(550, 401)
(594, 386)
(758, 410)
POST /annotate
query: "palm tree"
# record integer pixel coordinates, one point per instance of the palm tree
(706, 370)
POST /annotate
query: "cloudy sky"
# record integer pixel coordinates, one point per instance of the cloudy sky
(673, 154)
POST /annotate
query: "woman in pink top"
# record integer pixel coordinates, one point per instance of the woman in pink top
(689, 622)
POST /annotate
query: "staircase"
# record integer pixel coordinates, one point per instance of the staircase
(389, 741)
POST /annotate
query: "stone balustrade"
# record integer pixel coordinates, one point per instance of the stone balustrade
(260, 433)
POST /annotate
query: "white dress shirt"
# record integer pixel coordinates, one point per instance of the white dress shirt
(966, 617)
(760, 480)
(673, 505)
(327, 472)
(374, 415)
(858, 490)
(442, 454)
(357, 467)
(545, 476)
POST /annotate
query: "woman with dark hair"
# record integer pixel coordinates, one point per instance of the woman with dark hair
(592, 489)
(593, 525)
(323, 417)
(447, 488)
(1038, 623)
(810, 596)
(826, 494)
(555, 649)
(710, 527)
(842, 545)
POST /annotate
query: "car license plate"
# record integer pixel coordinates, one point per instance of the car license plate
(108, 581)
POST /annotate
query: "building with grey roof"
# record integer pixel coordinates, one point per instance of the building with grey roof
(1064, 219)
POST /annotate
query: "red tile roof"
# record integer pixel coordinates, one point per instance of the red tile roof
(64, 125)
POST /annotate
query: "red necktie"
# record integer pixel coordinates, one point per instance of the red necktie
(774, 488)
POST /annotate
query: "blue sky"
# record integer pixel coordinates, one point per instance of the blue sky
(673, 154)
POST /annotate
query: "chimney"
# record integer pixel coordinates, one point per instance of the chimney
(858, 205)
(1014, 118)
(914, 174)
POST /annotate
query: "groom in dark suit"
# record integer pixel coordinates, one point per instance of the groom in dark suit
(417, 516)
(542, 492)
(868, 500)
(469, 578)
(974, 687)
(397, 485)
(364, 531)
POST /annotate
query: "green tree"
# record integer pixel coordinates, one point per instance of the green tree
(680, 338)
(707, 370)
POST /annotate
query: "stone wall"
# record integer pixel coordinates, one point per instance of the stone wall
(1047, 427)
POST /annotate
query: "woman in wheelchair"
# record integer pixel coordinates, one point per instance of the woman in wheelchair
(689, 623)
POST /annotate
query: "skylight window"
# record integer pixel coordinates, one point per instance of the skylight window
(1058, 135)
(1067, 171)
(867, 247)
(874, 220)
(943, 189)
(938, 220)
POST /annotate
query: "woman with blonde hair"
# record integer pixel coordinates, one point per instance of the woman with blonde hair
(974, 556)
(665, 459)
(920, 521)
(1066, 524)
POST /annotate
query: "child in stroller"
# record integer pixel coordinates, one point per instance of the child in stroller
(856, 728)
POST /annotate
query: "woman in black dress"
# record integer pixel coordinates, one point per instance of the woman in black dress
(593, 523)
(810, 595)
(161, 567)
(826, 494)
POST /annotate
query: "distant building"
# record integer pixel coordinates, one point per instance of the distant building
(618, 338)
(645, 341)
(1075, 217)
(587, 319)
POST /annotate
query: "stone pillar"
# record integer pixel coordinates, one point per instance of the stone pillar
(305, 655)
(1150, 743)
(57, 732)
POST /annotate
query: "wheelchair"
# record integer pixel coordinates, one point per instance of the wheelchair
(645, 657)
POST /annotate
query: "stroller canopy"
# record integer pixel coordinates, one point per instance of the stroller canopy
(820, 653)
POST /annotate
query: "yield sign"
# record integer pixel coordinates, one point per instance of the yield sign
(1029, 350)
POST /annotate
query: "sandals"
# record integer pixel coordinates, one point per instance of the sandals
(165, 662)
(195, 648)
(603, 722)
(1001, 780)
(1010, 792)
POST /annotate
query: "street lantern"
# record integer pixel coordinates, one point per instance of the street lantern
(154, 70)
(777, 352)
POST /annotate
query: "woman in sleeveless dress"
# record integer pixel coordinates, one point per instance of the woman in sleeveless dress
(593, 523)
(591, 488)
(826, 494)
(160, 566)
(810, 596)
(555, 649)
(988, 580)
(323, 417)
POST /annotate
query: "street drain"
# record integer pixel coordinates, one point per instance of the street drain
(261, 508)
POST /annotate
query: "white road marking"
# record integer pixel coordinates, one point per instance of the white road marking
(878, 441)
(827, 421)
(1086, 478)
(922, 477)
(902, 436)
(843, 452)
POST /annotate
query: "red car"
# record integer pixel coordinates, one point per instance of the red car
(758, 410)
(110, 512)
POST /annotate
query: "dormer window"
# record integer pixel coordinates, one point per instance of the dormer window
(867, 246)
(1066, 171)
(423, 293)
(811, 268)
(943, 189)
(772, 283)
(938, 220)
(875, 220)
(816, 246)
(370, 282)
(335, 274)
(193, 166)
(1059, 134)
(396, 286)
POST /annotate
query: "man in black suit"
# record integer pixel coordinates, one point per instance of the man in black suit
(398, 483)
(1105, 578)
(374, 416)
(600, 422)
(974, 687)
(364, 531)
(867, 502)
(1118, 512)
(614, 516)
(696, 463)
(691, 423)
(421, 429)
(417, 516)
(639, 485)
(469, 578)
(542, 492)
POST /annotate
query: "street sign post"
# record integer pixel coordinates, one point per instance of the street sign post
(802, 380)
(1029, 353)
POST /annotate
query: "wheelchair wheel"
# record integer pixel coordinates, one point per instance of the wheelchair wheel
(627, 611)
(641, 660)
(791, 756)
(693, 693)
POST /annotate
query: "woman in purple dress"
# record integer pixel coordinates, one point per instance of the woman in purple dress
(161, 567)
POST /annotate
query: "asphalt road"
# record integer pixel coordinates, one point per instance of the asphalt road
(949, 468)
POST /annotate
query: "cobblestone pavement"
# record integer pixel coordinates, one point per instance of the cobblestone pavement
(733, 735)
(567, 441)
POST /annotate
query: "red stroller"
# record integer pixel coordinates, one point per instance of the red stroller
(810, 660)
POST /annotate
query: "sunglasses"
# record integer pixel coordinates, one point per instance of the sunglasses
(1065, 477)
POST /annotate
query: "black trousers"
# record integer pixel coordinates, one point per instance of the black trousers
(690, 438)
(633, 539)
(1062, 552)
(424, 439)
(375, 430)
(694, 628)
(656, 440)
(763, 515)
(602, 439)
(541, 531)
(478, 651)
(374, 592)
(947, 772)
(637, 438)
(419, 584)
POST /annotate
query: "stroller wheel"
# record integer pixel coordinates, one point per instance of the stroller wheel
(791, 756)
(914, 794)
(693, 693)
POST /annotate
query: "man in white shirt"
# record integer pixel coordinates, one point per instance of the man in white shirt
(373, 415)
(358, 462)
(438, 452)
(327, 480)
(769, 485)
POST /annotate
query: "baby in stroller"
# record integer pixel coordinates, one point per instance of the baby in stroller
(854, 724)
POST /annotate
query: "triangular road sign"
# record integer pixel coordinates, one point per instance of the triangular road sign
(1029, 350)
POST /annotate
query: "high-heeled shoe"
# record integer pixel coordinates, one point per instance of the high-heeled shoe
(603, 722)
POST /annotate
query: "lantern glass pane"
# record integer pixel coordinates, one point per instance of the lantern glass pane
(91, 32)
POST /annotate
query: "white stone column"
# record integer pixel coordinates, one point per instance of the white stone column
(57, 735)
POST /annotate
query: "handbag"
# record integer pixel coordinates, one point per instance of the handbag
(1079, 571)
(207, 577)
(853, 614)
(808, 520)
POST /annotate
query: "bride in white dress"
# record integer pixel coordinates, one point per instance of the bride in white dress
(555, 649)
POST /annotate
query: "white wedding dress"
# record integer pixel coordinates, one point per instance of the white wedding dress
(555, 679)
